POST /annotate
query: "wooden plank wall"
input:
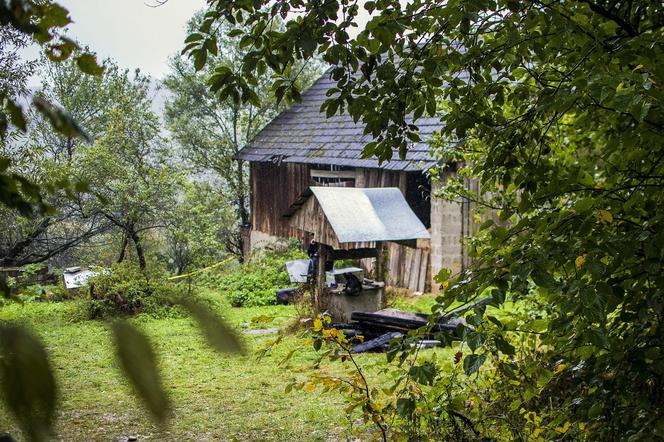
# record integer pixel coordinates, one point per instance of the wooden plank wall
(274, 187)
(410, 267)
(310, 218)
(381, 178)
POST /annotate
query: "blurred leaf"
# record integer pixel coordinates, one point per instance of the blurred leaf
(28, 385)
(88, 64)
(16, 115)
(139, 363)
(220, 336)
(60, 120)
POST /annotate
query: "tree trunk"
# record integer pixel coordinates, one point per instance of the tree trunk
(243, 213)
(140, 253)
(123, 249)
(12, 257)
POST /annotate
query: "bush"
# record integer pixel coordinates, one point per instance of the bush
(254, 283)
(127, 290)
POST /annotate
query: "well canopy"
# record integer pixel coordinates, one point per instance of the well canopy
(359, 215)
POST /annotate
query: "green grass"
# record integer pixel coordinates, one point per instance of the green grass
(215, 397)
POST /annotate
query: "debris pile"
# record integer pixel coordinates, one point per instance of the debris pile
(381, 327)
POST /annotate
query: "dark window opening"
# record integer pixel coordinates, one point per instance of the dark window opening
(418, 196)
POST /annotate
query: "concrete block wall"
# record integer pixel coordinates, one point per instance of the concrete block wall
(446, 227)
(259, 240)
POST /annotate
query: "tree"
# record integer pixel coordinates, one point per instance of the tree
(14, 71)
(132, 184)
(46, 158)
(198, 227)
(39, 22)
(211, 129)
(559, 110)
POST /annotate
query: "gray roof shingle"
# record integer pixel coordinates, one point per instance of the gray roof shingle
(303, 134)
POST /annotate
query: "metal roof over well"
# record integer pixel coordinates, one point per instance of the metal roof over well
(303, 134)
(369, 214)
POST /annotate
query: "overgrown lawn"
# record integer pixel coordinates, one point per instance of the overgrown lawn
(215, 397)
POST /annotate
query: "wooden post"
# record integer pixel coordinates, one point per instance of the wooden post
(321, 280)
(380, 261)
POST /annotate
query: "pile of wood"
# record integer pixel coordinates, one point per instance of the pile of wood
(383, 326)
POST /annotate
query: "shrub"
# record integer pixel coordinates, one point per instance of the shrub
(254, 283)
(126, 290)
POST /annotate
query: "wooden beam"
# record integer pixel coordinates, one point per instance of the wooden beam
(338, 254)
(380, 261)
(412, 243)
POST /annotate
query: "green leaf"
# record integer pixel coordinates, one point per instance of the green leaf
(424, 374)
(88, 64)
(504, 346)
(54, 16)
(16, 115)
(200, 58)
(139, 363)
(405, 407)
(472, 363)
(59, 119)
(475, 340)
(194, 37)
(28, 385)
(219, 336)
(595, 411)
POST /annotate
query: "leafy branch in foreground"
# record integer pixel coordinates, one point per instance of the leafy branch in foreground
(43, 23)
(556, 110)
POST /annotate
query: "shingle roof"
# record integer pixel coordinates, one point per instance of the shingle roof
(302, 134)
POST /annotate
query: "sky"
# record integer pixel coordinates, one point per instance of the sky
(131, 32)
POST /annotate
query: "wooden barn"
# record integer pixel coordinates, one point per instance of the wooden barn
(301, 148)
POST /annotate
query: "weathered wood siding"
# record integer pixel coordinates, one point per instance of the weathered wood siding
(410, 267)
(381, 178)
(311, 218)
(274, 187)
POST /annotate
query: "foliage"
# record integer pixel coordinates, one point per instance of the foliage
(408, 406)
(43, 23)
(255, 282)
(210, 130)
(556, 110)
(105, 105)
(126, 290)
(197, 227)
(14, 71)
